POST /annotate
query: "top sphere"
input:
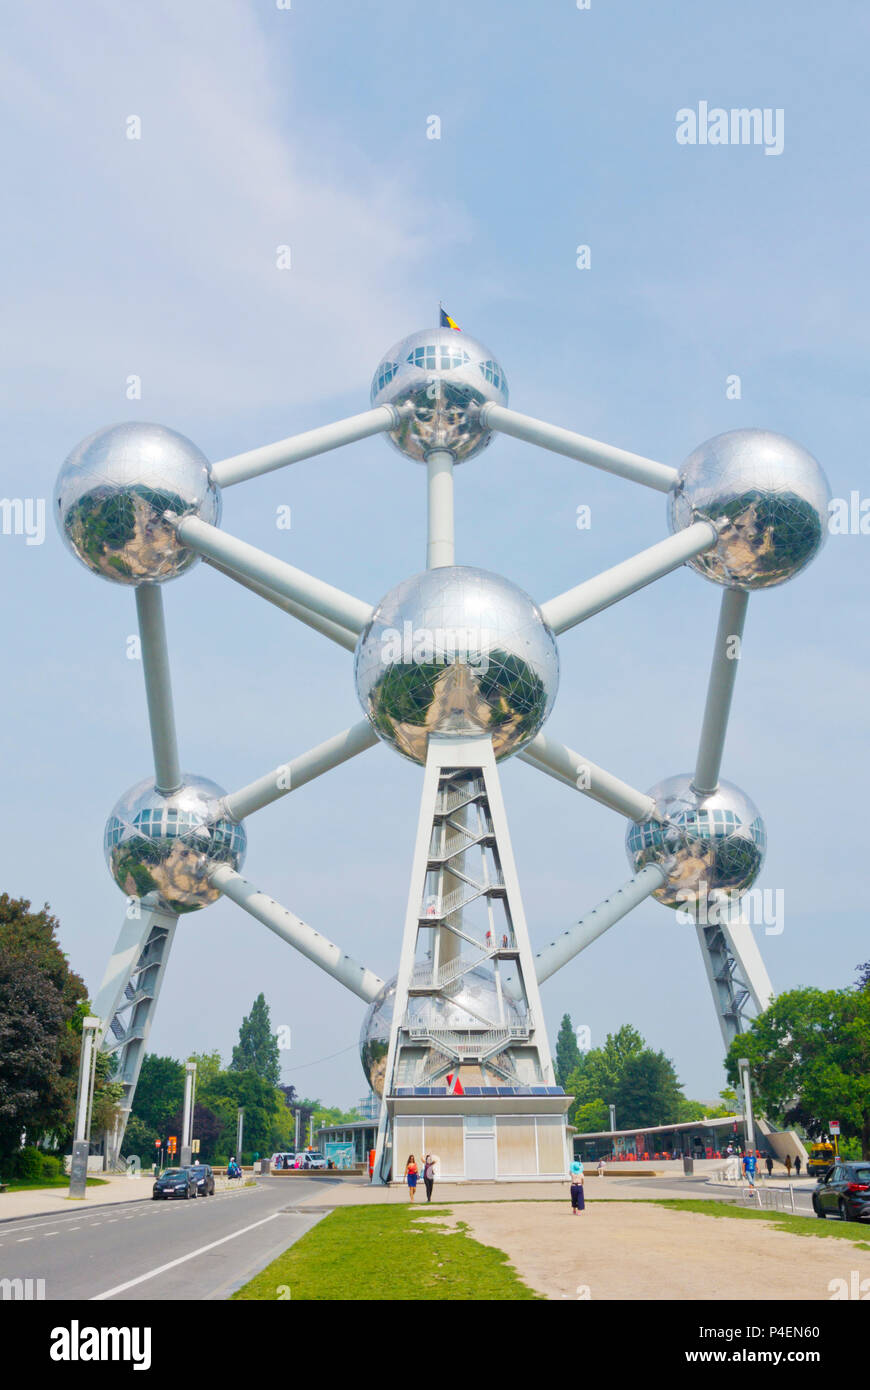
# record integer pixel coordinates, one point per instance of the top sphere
(456, 651)
(772, 496)
(441, 378)
(111, 495)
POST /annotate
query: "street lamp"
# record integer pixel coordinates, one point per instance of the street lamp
(743, 1064)
(78, 1170)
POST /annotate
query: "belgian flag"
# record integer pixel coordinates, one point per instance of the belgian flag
(448, 322)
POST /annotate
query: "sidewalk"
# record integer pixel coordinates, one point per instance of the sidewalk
(634, 1189)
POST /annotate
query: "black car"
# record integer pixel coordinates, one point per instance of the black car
(204, 1179)
(844, 1190)
(175, 1182)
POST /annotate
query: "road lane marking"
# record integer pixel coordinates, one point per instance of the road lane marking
(182, 1259)
(22, 1239)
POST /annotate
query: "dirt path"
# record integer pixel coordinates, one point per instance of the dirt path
(634, 1251)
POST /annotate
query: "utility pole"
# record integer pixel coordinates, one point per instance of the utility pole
(239, 1134)
(296, 1133)
(78, 1172)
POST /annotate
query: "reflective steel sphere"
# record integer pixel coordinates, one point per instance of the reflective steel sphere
(708, 845)
(443, 378)
(772, 496)
(456, 651)
(111, 495)
(167, 845)
(475, 1000)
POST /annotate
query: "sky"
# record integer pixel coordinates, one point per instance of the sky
(306, 127)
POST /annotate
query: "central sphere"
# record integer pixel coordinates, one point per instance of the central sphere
(168, 844)
(439, 379)
(456, 651)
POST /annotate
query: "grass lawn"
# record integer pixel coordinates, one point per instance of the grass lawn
(388, 1252)
(40, 1184)
(782, 1221)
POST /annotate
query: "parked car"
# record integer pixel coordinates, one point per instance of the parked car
(204, 1179)
(313, 1158)
(844, 1190)
(287, 1160)
(175, 1182)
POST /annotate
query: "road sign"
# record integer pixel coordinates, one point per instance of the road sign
(834, 1126)
(171, 1142)
(194, 1146)
(157, 1143)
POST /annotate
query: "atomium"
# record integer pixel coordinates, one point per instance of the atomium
(166, 845)
(708, 845)
(438, 379)
(112, 494)
(456, 651)
(769, 498)
(475, 998)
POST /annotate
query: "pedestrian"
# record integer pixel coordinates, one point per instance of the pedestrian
(601, 1167)
(578, 1202)
(768, 1163)
(797, 1165)
(411, 1176)
(788, 1164)
(749, 1162)
(429, 1176)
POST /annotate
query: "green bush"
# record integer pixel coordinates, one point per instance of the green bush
(52, 1167)
(27, 1164)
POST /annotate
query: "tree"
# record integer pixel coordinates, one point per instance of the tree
(40, 999)
(591, 1118)
(207, 1128)
(208, 1064)
(159, 1093)
(262, 1104)
(257, 1048)
(567, 1051)
(809, 1058)
(648, 1091)
(863, 981)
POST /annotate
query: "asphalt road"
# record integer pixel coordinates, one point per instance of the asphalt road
(197, 1250)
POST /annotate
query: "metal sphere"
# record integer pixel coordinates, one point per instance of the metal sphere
(708, 845)
(167, 845)
(111, 495)
(476, 999)
(772, 496)
(456, 651)
(439, 379)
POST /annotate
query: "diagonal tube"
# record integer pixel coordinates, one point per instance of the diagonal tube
(560, 441)
(578, 772)
(158, 687)
(305, 768)
(292, 929)
(595, 923)
(593, 596)
(240, 467)
(342, 635)
(252, 563)
(720, 689)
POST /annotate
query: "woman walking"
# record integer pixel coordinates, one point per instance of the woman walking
(578, 1201)
(429, 1176)
(411, 1176)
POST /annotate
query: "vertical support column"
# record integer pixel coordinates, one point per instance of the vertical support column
(440, 549)
(723, 674)
(736, 974)
(158, 687)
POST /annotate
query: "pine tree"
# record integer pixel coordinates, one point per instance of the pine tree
(257, 1048)
(567, 1051)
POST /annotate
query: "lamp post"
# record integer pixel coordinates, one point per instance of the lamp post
(187, 1116)
(743, 1064)
(78, 1172)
